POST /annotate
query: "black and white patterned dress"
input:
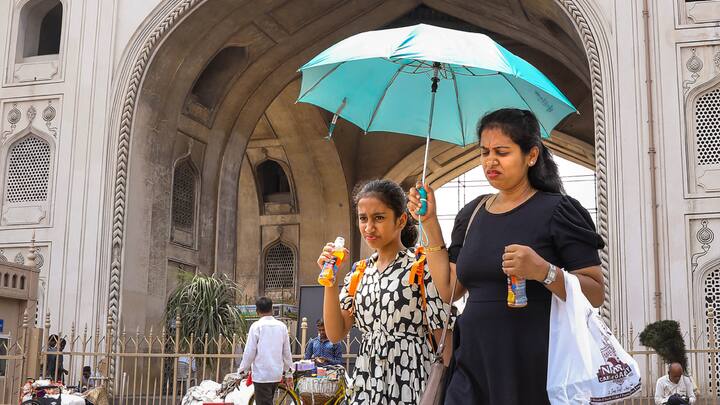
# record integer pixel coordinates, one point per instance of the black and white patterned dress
(394, 357)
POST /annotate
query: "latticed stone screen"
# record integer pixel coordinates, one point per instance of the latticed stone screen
(28, 172)
(279, 267)
(712, 327)
(707, 129)
(183, 197)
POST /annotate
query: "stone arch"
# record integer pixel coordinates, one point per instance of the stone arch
(129, 116)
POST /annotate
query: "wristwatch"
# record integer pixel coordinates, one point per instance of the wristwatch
(551, 274)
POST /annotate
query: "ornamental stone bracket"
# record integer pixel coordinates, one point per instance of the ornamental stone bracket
(38, 114)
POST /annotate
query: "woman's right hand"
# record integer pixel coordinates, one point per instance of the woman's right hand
(413, 204)
(327, 254)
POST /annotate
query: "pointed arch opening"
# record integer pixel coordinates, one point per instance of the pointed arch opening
(41, 28)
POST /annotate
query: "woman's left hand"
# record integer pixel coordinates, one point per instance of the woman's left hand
(523, 261)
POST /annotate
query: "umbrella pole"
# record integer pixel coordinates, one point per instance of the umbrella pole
(423, 193)
(433, 90)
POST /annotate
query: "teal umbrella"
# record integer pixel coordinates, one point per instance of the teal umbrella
(427, 81)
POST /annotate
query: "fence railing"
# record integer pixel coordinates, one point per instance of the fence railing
(144, 368)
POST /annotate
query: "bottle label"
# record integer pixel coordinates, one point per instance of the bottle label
(517, 296)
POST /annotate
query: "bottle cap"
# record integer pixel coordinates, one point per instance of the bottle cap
(339, 242)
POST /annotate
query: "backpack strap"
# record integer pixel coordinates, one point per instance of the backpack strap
(417, 273)
(417, 276)
(358, 270)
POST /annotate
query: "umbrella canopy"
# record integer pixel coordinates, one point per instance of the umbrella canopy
(427, 81)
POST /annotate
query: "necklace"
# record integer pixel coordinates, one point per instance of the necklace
(525, 197)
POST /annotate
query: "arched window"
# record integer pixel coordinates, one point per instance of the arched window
(707, 128)
(184, 196)
(14, 281)
(22, 282)
(274, 184)
(41, 28)
(28, 170)
(279, 267)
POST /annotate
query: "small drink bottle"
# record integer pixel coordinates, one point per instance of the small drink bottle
(329, 270)
(516, 296)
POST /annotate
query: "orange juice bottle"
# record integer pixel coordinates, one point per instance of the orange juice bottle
(329, 270)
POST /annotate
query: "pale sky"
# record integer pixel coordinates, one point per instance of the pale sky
(579, 183)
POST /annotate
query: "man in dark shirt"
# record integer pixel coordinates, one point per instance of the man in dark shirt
(322, 350)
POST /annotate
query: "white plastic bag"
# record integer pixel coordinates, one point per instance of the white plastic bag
(586, 364)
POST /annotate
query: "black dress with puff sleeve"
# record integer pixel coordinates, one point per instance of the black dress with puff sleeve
(500, 354)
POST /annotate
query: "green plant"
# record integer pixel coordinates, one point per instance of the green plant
(667, 340)
(205, 305)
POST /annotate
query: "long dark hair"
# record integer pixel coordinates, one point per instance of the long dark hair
(523, 128)
(392, 195)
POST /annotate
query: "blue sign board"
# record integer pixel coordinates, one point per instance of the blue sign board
(2, 324)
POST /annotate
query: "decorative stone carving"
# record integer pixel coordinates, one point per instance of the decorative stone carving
(21, 253)
(704, 237)
(704, 260)
(48, 116)
(13, 117)
(17, 120)
(24, 215)
(577, 16)
(699, 12)
(29, 151)
(709, 180)
(701, 88)
(694, 66)
(38, 71)
(694, 71)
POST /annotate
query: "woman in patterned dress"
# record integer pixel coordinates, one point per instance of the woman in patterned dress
(394, 357)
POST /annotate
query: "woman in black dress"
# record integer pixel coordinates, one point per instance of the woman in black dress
(530, 229)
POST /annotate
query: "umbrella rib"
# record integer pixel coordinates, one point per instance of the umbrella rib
(321, 79)
(377, 106)
(525, 101)
(457, 99)
(469, 71)
(478, 75)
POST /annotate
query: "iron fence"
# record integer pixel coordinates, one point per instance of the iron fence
(144, 368)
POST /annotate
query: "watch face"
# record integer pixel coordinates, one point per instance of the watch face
(551, 275)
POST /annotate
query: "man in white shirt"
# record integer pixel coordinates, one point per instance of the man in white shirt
(267, 351)
(674, 388)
